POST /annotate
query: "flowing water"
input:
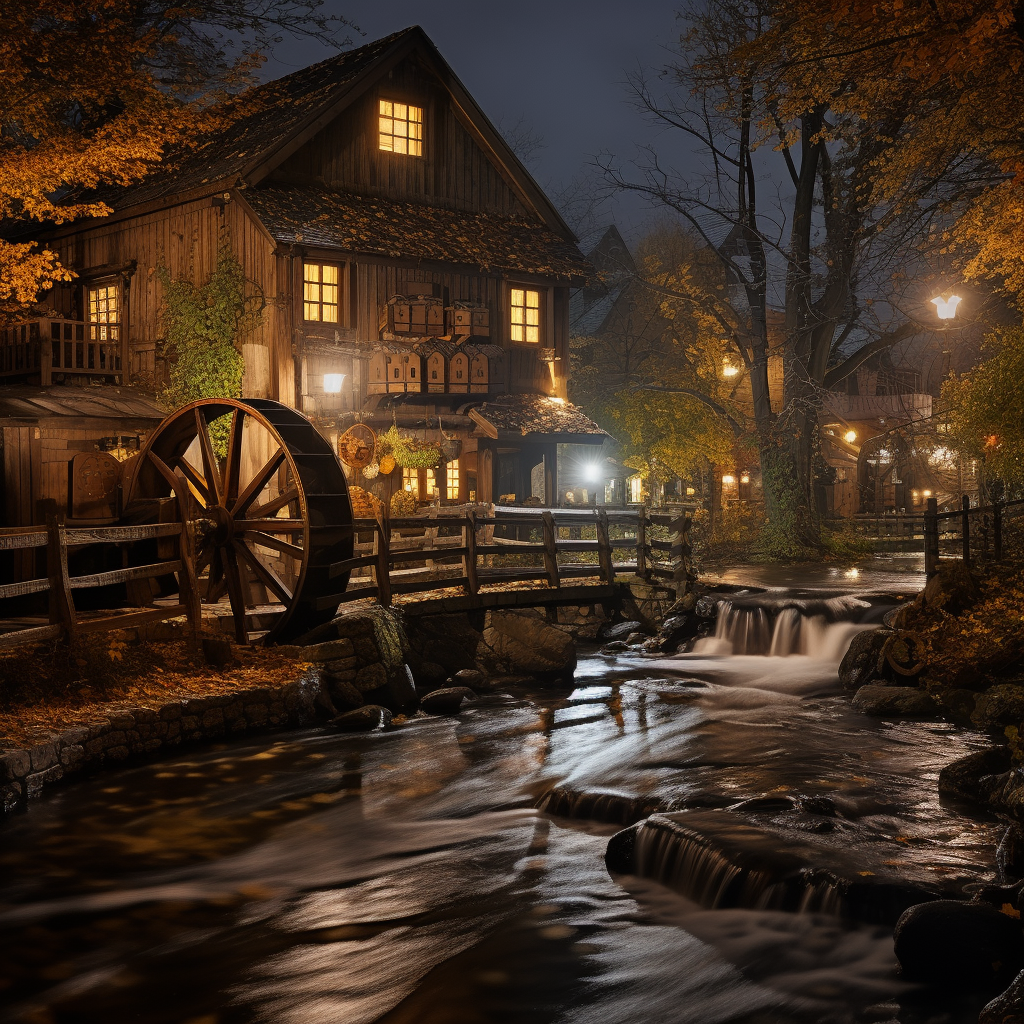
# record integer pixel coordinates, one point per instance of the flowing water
(452, 869)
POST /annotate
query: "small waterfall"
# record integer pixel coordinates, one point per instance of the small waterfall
(811, 630)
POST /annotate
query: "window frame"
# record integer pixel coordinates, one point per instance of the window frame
(340, 284)
(541, 307)
(379, 115)
(102, 328)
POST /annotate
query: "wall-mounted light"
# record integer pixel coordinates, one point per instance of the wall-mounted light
(946, 307)
(728, 479)
(333, 383)
(745, 479)
(927, 494)
(850, 436)
(728, 370)
(691, 491)
(592, 473)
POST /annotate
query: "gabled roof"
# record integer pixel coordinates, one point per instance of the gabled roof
(316, 216)
(281, 116)
(522, 415)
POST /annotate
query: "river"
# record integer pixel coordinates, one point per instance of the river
(410, 875)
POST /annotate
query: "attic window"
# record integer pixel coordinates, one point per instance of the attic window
(525, 315)
(320, 292)
(400, 128)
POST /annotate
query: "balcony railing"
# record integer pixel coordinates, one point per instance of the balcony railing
(45, 350)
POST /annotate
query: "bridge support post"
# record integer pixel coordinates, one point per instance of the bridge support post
(382, 568)
(931, 538)
(551, 548)
(469, 558)
(965, 528)
(604, 547)
(641, 543)
(679, 538)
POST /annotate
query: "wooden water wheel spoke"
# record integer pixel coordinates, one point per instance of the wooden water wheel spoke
(269, 541)
(274, 505)
(269, 525)
(210, 469)
(257, 483)
(245, 549)
(262, 572)
(233, 463)
(196, 481)
(236, 593)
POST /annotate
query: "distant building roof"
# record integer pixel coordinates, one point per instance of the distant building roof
(538, 414)
(587, 316)
(317, 216)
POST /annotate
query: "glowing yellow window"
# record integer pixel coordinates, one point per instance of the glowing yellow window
(411, 481)
(103, 312)
(525, 316)
(452, 480)
(400, 128)
(320, 292)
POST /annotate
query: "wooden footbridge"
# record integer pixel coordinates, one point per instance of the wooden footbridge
(269, 529)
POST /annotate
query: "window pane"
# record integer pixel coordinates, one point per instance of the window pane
(311, 292)
(330, 294)
(533, 334)
(311, 311)
(386, 107)
(533, 316)
(517, 297)
(387, 126)
(415, 147)
(397, 123)
(533, 299)
(517, 332)
(401, 146)
(311, 271)
(330, 314)
(330, 274)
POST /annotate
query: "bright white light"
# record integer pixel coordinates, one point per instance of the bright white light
(556, 401)
(852, 574)
(927, 494)
(333, 382)
(592, 473)
(690, 491)
(745, 479)
(850, 436)
(728, 479)
(729, 370)
(946, 307)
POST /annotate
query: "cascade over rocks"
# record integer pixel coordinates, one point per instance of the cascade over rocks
(958, 945)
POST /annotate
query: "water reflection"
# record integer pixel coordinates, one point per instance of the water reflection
(408, 876)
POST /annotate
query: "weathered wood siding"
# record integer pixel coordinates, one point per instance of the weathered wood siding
(454, 171)
(185, 240)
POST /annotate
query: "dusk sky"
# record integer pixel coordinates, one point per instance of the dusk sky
(560, 65)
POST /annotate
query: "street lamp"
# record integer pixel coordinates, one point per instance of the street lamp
(946, 307)
(850, 436)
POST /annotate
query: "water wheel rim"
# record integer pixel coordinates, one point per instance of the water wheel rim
(218, 492)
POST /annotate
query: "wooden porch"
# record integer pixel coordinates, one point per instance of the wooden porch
(45, 350)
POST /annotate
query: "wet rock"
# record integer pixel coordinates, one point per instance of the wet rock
(217, 651)
(895, 702)
(863, 660)
(635, 638)
(524, 642)
(975, 777)
(1010, 854)
(958, 945)
(958, 705)
(820, 805)
(1007, 1007)
(675, 629)
(329, 650)
(655, 645)
(999, 707)
(364, 719)
(620, 630)
(707, 607)
(470, 677)
(953, 590)
(447, 701)
(615, 647)
(619, 853)
(429, 675)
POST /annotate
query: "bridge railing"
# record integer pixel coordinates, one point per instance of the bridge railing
(470, 548)
(983, 533)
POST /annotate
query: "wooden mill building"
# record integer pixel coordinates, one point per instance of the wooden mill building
(409, 270)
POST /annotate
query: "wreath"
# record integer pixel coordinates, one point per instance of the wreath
(357, 445)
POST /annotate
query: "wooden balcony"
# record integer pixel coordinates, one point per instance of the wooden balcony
(46, 350)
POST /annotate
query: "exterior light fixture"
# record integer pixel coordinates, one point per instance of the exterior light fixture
(690, 491)
(850, 436)
(333, 383)
(745, 479)
(728, 479)
(728, 370)
(592, 473)
(946, 307)
(927, 494)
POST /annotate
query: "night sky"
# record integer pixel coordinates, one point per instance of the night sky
(559, 65)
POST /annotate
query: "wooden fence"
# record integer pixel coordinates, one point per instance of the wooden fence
(468, 549)
(59, 540)
(983, 533)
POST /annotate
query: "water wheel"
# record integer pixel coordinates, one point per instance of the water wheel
(270, 516)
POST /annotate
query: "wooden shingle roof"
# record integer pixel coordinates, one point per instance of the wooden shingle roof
(315, 216)
(538, 414)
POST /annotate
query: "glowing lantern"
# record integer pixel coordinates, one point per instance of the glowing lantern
(728, 479)
(850, 436)
(946, 307)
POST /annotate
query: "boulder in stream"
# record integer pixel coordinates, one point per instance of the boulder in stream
(620, 630)
(976, 777)
(447, 701)
(999, 707)
(895, 702)
(364, 719)
(863, 660)
(958, 945)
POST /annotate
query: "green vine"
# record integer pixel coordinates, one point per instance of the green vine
(408, 453)
(202, 325)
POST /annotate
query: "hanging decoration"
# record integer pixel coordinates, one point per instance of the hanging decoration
(357, 446)
(371, 471)
(387, 464)
(408, 452)
(402, 503)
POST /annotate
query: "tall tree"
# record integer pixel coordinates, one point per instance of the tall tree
(792, 212)
(95, 92)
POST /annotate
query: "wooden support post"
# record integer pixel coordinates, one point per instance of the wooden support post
(931, 538)
(62, 605)
(965, 528)
(382, 570)
(604, 547)
(641, 543)
(680, 554)
(550, 548)
(997, 531)
(188, 579)
(469, 558)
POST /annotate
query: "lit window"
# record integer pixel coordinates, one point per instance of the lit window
(320, 292)
(400, 128)
(104, 312)
(411, 481)
(452, 475)
(525, 319)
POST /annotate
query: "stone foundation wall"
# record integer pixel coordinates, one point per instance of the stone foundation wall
(133, 732)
